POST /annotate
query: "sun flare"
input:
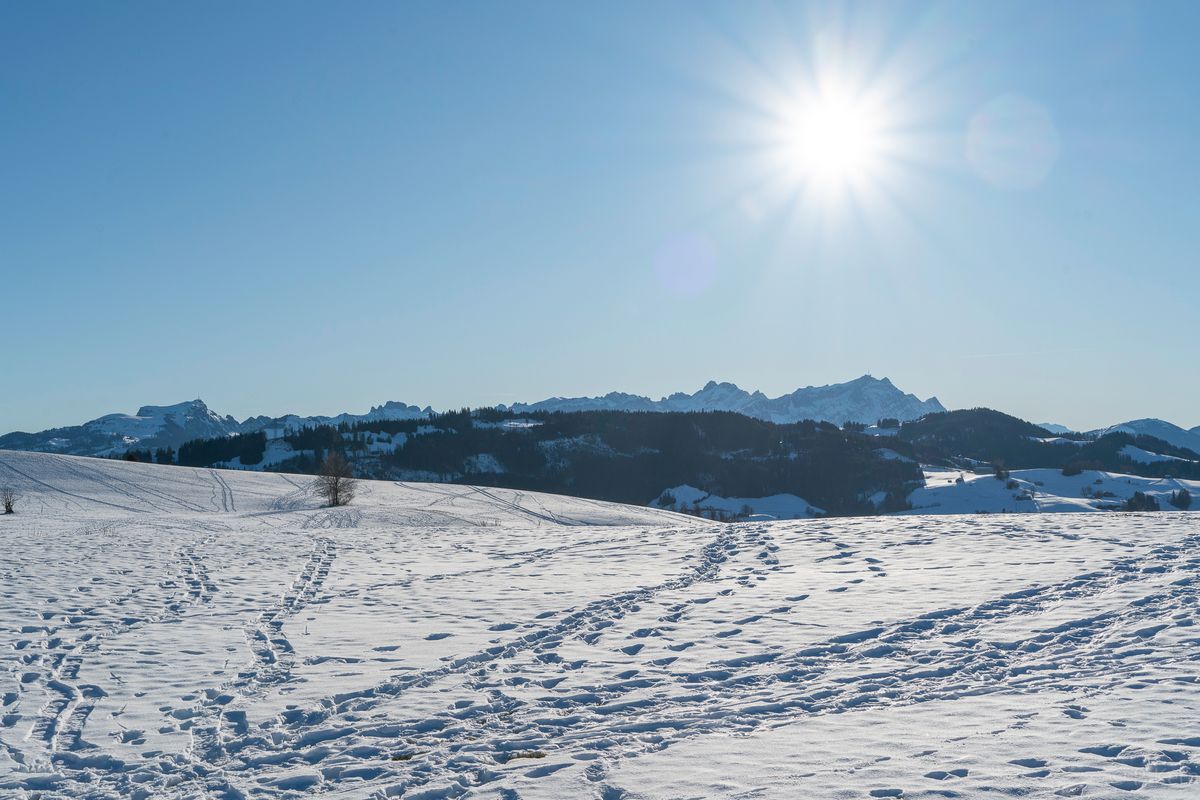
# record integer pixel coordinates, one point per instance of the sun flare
(834, 139)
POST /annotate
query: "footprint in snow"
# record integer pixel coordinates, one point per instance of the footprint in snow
(1126, 786)
(946, 774)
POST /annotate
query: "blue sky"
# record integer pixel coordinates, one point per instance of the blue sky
(314, 208)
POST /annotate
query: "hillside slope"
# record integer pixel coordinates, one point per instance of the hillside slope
(1041, 491)
(52, 485)
(1159, 429)
(177, 633)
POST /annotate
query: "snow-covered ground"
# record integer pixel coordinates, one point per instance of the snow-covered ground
(1039, 490)
(689, 499)
(1147, 457)
(167, 632)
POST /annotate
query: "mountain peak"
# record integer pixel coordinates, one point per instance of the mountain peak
(196, 405)
(714, 385)
(868, 379)
(865, 399)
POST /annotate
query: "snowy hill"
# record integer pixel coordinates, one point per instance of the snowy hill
(53, 484)
(953, 491)
(1159, 429)
(690, 500)
(864, 399)
(1040, 490)
(181, 633)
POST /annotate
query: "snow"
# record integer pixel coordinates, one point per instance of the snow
(276, 451)
(152, 420)
(276, 427)
(182, 633)
(875, 430)
(508, 424)
(1037, 490)
(1146, 457)
(1159, 429)
(150, 427)
(776, 506)
(170, 426)
(864, 399)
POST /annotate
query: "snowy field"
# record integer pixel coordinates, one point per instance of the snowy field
(169, 632)
(1039, 491)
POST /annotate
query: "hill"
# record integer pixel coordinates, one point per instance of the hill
(611, 455)
(178, 633)
(1158, 429)
(982, 437)
(1024, 491)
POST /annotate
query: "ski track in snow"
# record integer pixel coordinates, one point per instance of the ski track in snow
(167, 632)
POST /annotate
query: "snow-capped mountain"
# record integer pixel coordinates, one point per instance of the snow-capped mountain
(864, 399)
(389, 410)
(1159, 429)
(150, 427)
(170, 426)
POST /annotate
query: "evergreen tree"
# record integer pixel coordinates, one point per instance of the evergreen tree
(1141, 502)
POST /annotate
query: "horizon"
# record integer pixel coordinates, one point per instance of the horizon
(243, 417)
(315, 210)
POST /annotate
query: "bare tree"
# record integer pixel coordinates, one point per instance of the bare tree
(336, 482)
(9, 497)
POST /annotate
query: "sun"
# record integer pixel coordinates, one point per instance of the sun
(834, 139)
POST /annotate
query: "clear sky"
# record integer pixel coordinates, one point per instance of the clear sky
(314, 208)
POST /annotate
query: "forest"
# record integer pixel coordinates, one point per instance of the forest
(632, 457)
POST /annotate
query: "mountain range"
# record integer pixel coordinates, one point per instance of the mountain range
(153, 427)
(112, 434)
(864, 400)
